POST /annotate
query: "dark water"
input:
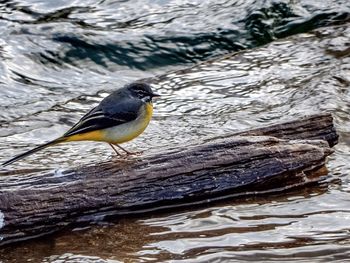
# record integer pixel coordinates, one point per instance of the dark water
(59, 58)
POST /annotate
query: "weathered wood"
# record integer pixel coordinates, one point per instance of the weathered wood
(315, 127)
(41, 203)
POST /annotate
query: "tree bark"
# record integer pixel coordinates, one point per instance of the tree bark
(314, 127)
(41, 203)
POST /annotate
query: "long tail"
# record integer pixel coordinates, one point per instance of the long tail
(43, 146)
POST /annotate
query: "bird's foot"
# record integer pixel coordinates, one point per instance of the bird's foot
(127, 153)
(134, 153)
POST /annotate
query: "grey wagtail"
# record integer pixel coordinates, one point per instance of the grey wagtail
(120, 117)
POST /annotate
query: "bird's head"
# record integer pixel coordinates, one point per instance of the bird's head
(141, 91)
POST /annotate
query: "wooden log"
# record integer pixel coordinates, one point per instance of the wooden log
(304, 128)
(41, 203)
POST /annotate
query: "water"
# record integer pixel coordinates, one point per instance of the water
(59, 58)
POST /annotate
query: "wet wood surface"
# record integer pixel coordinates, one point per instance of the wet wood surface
(257, 160)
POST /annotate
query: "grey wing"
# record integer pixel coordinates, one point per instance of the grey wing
(107, 114)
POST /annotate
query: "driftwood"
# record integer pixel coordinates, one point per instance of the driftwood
(304, 128)
(41, 203)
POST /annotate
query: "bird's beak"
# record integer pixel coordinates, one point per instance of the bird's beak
(155, 95)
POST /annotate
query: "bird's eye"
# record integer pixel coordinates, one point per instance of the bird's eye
(141, 92)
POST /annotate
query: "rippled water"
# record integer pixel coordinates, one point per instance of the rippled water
(59, 58)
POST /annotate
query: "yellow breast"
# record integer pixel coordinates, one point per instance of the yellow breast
(121, 133)
(128, 131)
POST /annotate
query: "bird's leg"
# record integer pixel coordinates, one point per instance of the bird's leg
(115, 150)
(127, 152)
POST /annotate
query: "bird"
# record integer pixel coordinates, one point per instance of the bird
(120, 117)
